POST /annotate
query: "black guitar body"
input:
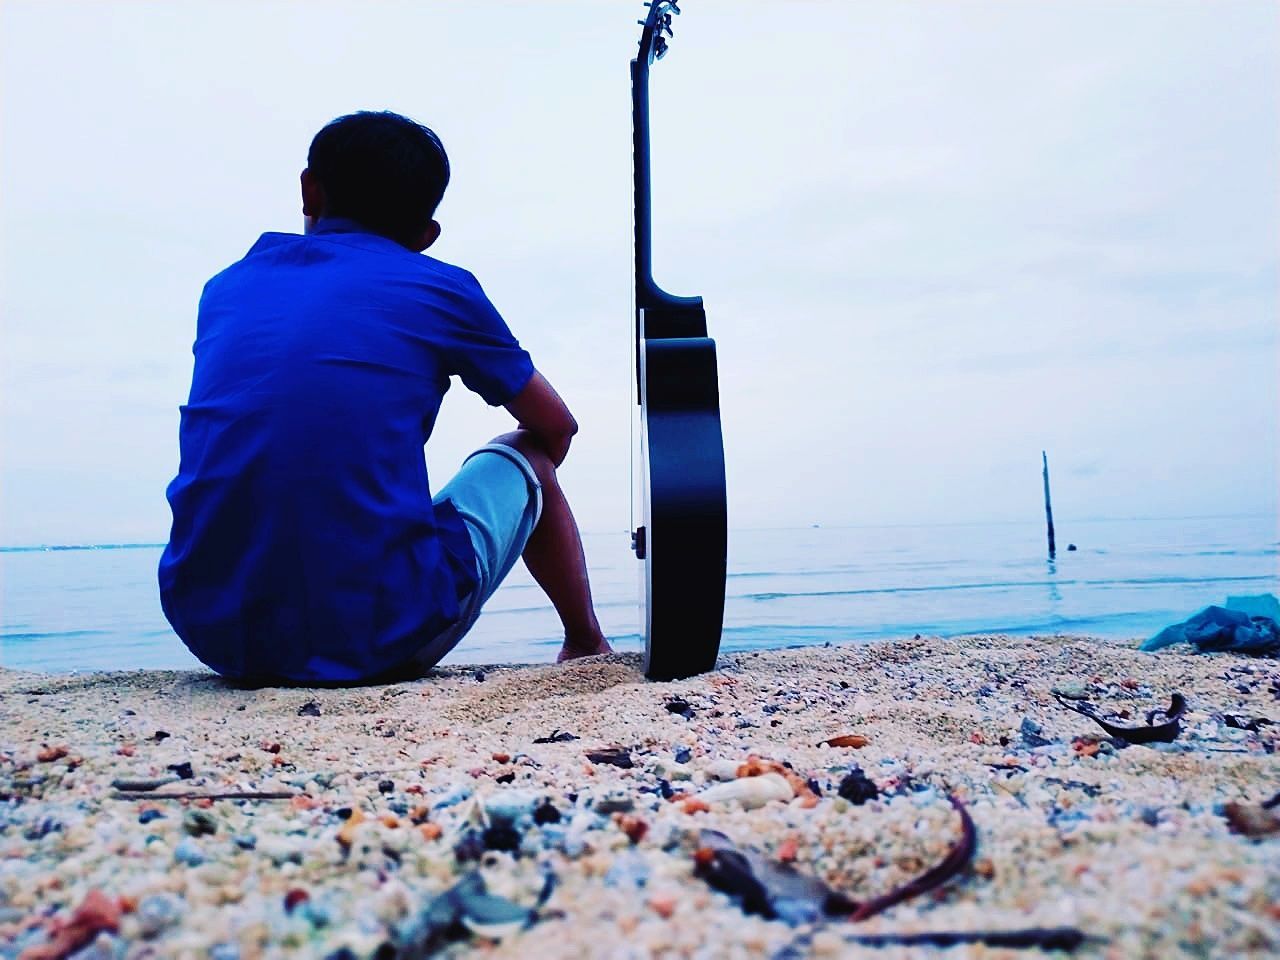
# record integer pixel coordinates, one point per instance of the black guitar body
(685, 525)
(682, 538)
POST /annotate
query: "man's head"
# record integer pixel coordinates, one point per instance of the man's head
(380, 169)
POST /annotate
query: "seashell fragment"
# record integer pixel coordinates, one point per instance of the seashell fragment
(750, 792)
(722, 769)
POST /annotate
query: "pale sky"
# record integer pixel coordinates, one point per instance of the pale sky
(932, 238)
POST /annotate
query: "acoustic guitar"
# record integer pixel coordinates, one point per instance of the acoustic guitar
(682, 534)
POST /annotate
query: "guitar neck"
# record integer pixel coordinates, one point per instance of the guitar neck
(649, 296)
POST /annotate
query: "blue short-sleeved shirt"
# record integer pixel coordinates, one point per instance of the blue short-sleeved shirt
(305, 544)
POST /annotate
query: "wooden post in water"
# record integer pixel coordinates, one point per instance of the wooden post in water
(1048, 508)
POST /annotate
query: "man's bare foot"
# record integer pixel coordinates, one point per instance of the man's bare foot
(572, 651)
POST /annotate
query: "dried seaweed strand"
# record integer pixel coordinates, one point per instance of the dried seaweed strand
(1159, 733)
(936, 876)
(234, 795)
(1273, 802)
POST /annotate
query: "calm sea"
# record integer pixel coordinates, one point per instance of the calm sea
(96, 608)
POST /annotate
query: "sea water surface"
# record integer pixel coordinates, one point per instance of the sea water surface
(95, 607)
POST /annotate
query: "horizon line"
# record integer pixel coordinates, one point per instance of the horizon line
(57, 547)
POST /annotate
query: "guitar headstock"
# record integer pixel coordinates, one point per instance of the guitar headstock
(657, 28)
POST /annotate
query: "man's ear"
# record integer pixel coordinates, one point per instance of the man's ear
(312, 196)
(428, 237)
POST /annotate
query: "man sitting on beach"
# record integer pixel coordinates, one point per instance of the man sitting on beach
(306, 546)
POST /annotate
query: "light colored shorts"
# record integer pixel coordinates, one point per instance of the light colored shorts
(499, 498)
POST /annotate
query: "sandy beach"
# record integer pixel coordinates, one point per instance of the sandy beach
(580, 811)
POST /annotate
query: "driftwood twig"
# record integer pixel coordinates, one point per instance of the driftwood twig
(955, 861)
(230, 795)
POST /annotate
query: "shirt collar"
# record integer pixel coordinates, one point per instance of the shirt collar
(340, 225)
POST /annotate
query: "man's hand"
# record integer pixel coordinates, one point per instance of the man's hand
(539, 409)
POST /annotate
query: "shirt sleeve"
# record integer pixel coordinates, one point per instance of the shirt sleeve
(484, 353)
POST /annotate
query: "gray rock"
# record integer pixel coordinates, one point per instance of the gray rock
(511, 805)
(1030, 731)
(615, 801)
(157, 912)
(245, 841)
(198, 823)
(1073, 690)
(629, 869)
(451, 797)
(188, 851)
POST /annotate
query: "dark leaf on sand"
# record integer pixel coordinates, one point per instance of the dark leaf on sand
(502, 836)
(464, 908)
(614, 756)
(681, 706)
(1165, 732)
(546, 813)
(762, 887)
(1251, 820)
(556, 736)
(182, 770)
(856, 788)
(779, 892)
(1252, 724)
(309, 709)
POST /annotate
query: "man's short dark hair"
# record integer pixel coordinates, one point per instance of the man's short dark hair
(382, 170)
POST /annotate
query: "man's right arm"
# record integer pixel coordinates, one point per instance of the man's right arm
(539, 409)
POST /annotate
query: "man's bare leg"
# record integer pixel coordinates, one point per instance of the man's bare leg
(554, 556)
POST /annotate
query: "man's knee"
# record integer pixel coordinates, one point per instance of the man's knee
(527, 444)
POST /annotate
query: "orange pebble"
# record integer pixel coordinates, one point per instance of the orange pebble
(855, 740)
(634, 827)
(49, 754)
(430, 831)
(125, 749)
(788, 850)
(347, 832)
(977, 737)
(389, 820)
(695, 805)
(663, 905)
(501, 758)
